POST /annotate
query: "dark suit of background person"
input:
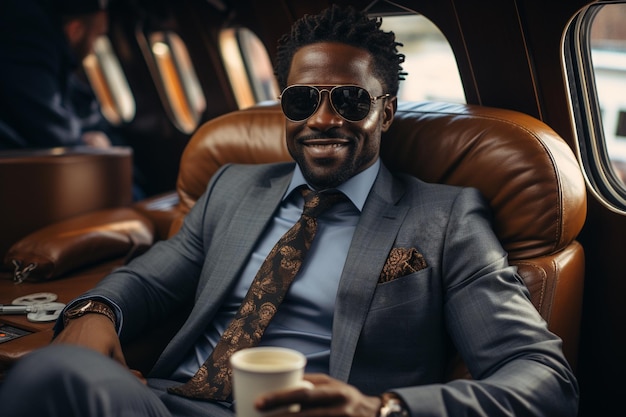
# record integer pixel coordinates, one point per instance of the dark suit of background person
(43, 103)
(45, 99)
(390, 332)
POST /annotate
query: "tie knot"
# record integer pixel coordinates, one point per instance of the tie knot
(316, 202)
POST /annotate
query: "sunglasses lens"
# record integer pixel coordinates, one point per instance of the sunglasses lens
(299, 102)
(351, 102)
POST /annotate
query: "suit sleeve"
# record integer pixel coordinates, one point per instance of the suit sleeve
(164, 280)
(517, 364)
(35, 68)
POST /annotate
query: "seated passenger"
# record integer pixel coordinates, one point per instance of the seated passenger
(43, 101)
(399, 274)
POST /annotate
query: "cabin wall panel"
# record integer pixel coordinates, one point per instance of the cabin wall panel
(497, 51)
(601, 362)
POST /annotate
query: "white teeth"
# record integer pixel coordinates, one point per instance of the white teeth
(332, 145)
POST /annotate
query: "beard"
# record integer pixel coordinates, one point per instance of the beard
(327, 174)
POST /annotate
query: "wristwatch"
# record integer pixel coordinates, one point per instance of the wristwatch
(392, 406)
(88, 306)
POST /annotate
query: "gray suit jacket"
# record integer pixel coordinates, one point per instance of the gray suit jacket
(395, 335)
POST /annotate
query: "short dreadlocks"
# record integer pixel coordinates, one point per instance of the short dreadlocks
(348, 26)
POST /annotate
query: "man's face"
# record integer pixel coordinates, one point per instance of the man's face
(328, 148)
(86, 31)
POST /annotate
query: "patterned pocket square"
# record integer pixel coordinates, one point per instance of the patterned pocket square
(401, 262)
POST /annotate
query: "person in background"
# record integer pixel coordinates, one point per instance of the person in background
(44, 103)
(45, 98)
(400, 275)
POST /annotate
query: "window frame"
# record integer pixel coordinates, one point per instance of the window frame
(591, 146)
(245, 71)
(175, 77)
(109, 83)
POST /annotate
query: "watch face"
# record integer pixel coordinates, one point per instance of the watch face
(393, 408)
(77, 310)
(82, 307)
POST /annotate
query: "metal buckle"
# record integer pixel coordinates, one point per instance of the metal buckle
(20, 274)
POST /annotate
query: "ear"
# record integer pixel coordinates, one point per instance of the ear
(391, 105)
(74, 30)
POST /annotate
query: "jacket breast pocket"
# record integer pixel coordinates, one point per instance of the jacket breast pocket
(404, 324)
(403, 291)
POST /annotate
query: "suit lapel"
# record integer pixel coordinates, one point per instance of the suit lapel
(373, 239)
(245, 227)
(247, 224)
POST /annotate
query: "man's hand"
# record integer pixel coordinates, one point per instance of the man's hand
(96, 139)
(330, 397)
(96, 332)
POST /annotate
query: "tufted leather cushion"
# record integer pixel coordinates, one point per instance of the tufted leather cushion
(526, 171)
(254, 136)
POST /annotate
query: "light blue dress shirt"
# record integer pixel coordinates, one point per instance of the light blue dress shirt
(304, 319)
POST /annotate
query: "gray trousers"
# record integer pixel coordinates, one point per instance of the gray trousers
(68, 381)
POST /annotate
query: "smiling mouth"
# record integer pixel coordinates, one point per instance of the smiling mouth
(325, 149)
(325, 143)
(328, 145)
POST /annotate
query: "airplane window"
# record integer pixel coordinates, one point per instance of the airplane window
(608, 56)
(183, 96)
(433, 73)
(430, 63)
(248, 66)
(596, 53)
(109, 83)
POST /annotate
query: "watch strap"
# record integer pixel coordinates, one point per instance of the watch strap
(88, 307)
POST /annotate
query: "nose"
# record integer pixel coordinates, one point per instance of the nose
(325, 116)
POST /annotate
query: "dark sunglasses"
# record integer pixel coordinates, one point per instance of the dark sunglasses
(353, 103)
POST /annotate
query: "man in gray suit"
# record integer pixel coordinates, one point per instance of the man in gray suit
(400, 275)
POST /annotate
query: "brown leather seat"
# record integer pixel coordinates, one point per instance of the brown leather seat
(524, 169)
(66, 209)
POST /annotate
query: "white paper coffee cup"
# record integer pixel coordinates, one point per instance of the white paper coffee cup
(259, 370)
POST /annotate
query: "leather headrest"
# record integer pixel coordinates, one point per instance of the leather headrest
(525, 170)
(251, 136)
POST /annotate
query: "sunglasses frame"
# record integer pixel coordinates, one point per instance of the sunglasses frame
(373, 100)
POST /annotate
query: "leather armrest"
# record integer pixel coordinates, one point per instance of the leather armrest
(81, 241)
(162, 210)
(40, 187)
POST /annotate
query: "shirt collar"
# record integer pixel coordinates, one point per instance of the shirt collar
(356, 188)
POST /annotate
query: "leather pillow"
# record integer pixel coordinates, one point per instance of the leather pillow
(81, 241)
